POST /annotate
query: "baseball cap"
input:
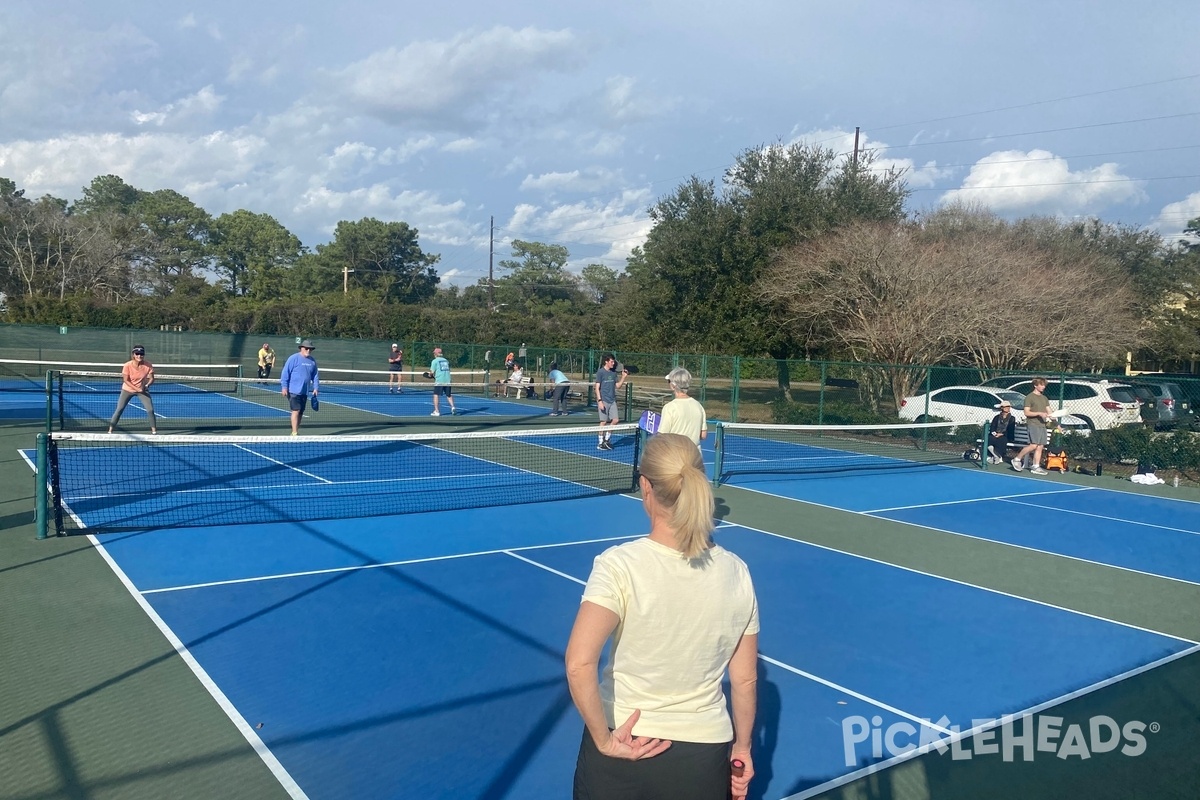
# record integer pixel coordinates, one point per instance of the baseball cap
(437, 351)
(139, 351)
(1004, 404)
(395, 345)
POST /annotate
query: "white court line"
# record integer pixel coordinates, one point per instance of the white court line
(975, 500)
(878, 766)
(260, 748)
(265, 457)
(979, 538)
(355, 567)
(256, 744)
(854, 694)
(1016, 499)
(1032, 549)
(973, 585)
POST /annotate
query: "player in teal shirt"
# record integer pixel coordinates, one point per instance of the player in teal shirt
(440, 369)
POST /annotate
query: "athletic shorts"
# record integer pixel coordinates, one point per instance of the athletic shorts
(684, 770)
(1037, 432)
(297, 402)
(442, 391)
(610, 412)
(397, 367)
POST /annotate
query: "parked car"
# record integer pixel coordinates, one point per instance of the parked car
(1149, 400)
(1007, 381)
(972, 404)
(1100, 404)
(1172, 405)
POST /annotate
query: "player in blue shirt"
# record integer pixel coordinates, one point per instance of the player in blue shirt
(299, 374)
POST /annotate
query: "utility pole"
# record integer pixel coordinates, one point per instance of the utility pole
(855, 161)
(346, 279)
(491, 253)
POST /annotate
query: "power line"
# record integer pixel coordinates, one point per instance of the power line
(1035, 133)
(1038, 102)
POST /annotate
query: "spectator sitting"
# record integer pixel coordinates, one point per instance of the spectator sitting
(1000, 433)
(513, 382)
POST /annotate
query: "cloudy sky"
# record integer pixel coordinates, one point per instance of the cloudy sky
(565, 121)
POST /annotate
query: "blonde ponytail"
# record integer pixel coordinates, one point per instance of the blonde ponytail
(675, 469)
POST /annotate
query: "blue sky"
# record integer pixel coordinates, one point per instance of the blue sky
(566, 122)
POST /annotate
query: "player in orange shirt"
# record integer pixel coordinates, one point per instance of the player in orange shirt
(136, 377)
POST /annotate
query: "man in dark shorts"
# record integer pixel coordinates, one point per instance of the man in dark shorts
(298, 377)
(395, 369)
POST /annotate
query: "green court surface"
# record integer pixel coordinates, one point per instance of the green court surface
(95, 703)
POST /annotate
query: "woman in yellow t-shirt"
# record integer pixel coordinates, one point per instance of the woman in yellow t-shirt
(681, 612)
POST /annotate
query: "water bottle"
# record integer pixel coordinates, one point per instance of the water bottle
(1175, 482)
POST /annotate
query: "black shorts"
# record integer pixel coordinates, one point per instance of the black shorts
(683, 770)
(297, 402)
(442, 390)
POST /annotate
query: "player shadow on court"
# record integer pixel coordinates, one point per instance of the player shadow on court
(766, 735)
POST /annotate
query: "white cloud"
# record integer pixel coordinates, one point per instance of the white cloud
(622, 105)
(619, 224)
(438, 222)
(448, 79)
(464, 145)
(62, 165)
(1174, 217)
(592, 179)
(842, 142)
(1014, 180)
(188, 21)
(201, 104)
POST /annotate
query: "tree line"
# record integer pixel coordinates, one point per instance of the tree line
(794, 253)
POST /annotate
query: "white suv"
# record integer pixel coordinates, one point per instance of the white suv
(1102, 405)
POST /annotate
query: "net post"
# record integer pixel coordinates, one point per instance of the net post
(41, 518)
(628, 402)
(238, 372)
(719, 452)
(984, 443)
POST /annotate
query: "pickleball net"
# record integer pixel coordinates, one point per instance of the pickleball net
(758, 449)
(116, 482)
(84, 401)
(20, 374)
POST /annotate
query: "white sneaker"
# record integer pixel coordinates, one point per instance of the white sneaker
(436, 414)
(1017, 465)
(1038, 471)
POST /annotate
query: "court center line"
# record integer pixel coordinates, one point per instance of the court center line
(280, 463)
(1016, 500)
(795, 670)
(974, 500)
(856, 695)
